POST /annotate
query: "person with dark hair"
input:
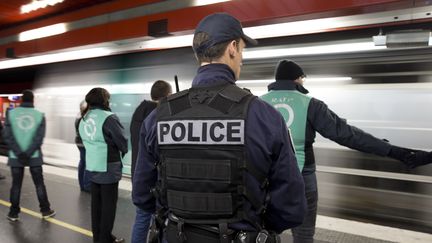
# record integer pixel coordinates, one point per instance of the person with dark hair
(159, 90)
(105, 144)
(217, 160)
(83, 175)
(24, 132)
(304, 116)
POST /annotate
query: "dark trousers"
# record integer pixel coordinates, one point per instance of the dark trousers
(306, 231)
(15, 192)
(103, 210)
(83, 175)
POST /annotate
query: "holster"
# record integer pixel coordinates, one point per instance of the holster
(157, 228)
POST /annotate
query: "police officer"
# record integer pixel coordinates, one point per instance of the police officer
(227, 169)
(159, 90)
(23, 133)
(105, 144)
(305, 116)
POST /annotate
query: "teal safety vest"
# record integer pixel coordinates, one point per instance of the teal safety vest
(293, 106)
(90, 130)
(24, 123)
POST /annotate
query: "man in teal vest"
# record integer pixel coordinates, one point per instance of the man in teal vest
(24, 132)
(305, 116)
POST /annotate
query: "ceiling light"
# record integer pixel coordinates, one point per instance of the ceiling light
(35, 4)
(43, 32)
(312, 50)
(57, 57)
(314, 80)
(167, 42)
(207, 2)
(327, 79)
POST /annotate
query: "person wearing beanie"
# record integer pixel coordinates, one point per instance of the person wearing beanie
(215, 162)
(23, 133)
(304, 116)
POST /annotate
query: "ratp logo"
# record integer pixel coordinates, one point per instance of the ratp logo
(288, 109)
(90, 128)
(25, 122)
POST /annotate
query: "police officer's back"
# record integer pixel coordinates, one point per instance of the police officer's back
(227, 168)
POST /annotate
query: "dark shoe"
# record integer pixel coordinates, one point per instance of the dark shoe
(48, 214)
(118, 240)
(2, 177)
(13, 216)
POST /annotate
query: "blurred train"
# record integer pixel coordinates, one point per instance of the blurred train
(387, 92)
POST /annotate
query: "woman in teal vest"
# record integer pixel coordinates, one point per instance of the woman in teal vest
(23, 133)
(105, 144)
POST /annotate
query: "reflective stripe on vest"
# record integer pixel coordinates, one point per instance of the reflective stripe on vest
(24, 123)
(90, 130)
(293, 106)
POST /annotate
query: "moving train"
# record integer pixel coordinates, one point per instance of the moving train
(387, 92)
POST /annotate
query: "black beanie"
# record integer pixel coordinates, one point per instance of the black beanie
(27, 96)
(288, 70)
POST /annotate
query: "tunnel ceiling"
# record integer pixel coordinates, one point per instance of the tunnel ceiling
(10, 15)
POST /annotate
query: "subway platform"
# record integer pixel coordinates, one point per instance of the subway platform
(72, 223)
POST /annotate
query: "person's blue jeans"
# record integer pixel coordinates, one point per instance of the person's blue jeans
(141, 226)
(83, 175)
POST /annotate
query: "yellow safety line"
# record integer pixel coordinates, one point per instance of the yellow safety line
(52, 220)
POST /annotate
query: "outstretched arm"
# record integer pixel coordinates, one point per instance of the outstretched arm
(331, 126)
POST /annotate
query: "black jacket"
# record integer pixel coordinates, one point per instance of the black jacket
(139, 115)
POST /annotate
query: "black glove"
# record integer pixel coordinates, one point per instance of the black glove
(418, 158)
(23, 158)
(410, 157)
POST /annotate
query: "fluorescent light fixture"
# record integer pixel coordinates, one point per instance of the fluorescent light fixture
(8, 95)
(312, 50)
(57, 57)
(37, 4)
(43, 32)
(314, 80)
(257, 81)
(168, 42)
(327, 79)
(207, 2)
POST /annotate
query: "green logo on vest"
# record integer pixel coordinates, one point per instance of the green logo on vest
(90, 130)
(24, 123)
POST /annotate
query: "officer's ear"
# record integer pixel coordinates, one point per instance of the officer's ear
(233, 48)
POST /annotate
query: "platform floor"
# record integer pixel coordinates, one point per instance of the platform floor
(72, 224)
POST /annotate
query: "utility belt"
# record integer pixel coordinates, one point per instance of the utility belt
(179, 232)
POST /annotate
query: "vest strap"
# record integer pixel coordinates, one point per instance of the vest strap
(179, 102)
(218, 170)
(201, 203)
(221, 103)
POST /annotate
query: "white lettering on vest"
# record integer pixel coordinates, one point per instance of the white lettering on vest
(201, 132)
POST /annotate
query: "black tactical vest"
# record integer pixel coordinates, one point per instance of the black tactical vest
(203, 162)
